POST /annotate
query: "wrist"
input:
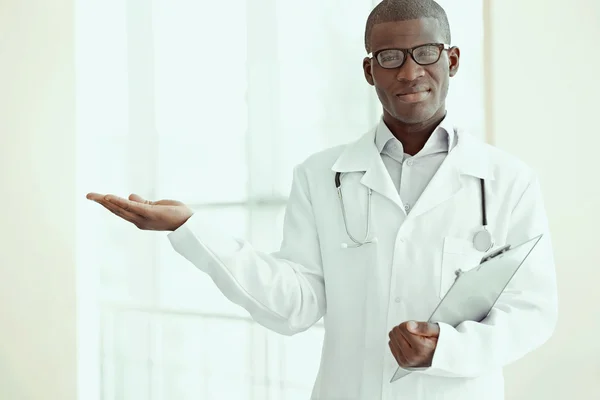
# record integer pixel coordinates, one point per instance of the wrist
(185, 218)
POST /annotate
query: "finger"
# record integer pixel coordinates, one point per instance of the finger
(396, 336)
(128, 205)
(135, 219)
(139, 199)
(397, 353)
(405, 347)
(426, 329)
(94, 196)
(168, 202)
(408, 348)
(119, 212)
(411, 339)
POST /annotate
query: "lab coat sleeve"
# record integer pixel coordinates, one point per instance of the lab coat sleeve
(283, 291)
(525, 315)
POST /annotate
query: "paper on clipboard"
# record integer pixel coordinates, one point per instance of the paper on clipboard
(475, 292)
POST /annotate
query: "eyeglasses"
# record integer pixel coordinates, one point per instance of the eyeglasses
(425, 54)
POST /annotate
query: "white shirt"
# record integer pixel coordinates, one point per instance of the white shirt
(412, 174)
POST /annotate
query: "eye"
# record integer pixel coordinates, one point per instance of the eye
(390, 55)
(426, 54)
(390, 58)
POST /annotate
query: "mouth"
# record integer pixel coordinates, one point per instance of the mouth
(413, 97)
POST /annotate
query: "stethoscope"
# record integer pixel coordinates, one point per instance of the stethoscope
(482, 240)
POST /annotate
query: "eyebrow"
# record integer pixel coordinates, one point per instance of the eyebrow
(404, 48)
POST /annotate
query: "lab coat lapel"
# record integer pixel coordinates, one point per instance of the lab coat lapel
(444, 185)
(363, 156)
(469, 157)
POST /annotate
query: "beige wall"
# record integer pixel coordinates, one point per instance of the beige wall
(545, 107)
(37, 183)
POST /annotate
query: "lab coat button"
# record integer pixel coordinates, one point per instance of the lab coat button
(410, 163)
(398, 299)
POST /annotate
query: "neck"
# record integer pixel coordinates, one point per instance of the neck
(413, 136)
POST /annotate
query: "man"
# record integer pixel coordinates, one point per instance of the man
(375, 261)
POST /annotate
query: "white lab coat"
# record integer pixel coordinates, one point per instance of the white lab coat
(364, 292)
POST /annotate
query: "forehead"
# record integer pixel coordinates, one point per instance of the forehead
(406, 34)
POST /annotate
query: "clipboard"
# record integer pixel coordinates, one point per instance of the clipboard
(475, 292)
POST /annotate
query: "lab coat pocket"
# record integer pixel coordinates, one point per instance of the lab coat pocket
(457, 254)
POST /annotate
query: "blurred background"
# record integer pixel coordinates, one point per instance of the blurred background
(213, 103)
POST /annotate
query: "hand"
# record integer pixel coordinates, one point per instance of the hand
(413, 343)
(162, 215)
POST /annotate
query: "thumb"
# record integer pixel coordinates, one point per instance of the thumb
(426, 329)
(167, 202)
(139, 199)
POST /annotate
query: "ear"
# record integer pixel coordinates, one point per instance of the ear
(454, 60)
(368, 70)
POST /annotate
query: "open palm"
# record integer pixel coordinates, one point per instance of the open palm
(161, 215)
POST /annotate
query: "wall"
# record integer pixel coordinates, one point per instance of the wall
(37, 183)
(544, 102)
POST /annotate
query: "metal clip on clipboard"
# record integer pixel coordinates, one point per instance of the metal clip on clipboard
(495, 253)
(487, 257)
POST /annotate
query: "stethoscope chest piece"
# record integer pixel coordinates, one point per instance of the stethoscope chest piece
(483, 240)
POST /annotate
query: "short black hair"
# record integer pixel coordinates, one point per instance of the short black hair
(404, 10)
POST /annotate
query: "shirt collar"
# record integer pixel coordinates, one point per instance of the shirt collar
(443, 139)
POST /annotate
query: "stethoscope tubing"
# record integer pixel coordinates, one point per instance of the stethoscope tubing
(338, 186)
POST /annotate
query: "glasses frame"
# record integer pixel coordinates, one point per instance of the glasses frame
(407, 52)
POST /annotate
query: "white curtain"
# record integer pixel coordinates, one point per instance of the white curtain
(212, 103)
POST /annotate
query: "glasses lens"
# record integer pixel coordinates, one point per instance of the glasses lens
(390, 58)
(428, 54)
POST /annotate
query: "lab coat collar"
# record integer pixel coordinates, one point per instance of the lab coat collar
(443, 137)
(468, 157)
(471, 159)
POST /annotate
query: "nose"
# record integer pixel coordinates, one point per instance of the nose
(410, 71)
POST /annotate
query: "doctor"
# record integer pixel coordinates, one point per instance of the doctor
(375, 230)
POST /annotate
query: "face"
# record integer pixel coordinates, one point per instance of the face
(412, 93)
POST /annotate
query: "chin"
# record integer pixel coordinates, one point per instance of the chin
(415, 116)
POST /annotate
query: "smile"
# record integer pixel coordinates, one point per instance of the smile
(413, 97)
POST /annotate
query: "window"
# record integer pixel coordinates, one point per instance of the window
(212, 103)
